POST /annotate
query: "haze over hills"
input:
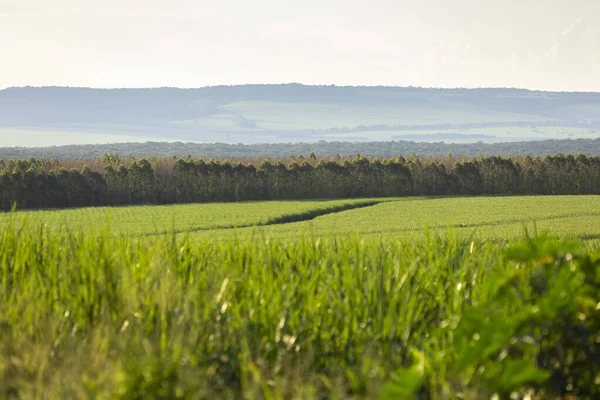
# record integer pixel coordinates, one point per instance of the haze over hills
(48, 116)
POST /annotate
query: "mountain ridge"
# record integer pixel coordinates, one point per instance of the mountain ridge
(259, 113)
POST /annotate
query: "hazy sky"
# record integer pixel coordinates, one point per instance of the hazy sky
(538, 44)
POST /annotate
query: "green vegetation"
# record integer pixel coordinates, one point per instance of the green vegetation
(482, 217)
(396, 292)
(153, 220)
(500, 217)
(393, 298)
(34, 184)
(103, 316)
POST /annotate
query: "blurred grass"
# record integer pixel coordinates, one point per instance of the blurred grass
(311, 310)
(100, 316)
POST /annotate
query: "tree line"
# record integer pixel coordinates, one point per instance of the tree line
(43, 183)
(387, 149)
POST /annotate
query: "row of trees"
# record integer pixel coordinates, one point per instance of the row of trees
(39, 183)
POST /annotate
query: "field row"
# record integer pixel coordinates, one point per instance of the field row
(185, 218)
(482, 217)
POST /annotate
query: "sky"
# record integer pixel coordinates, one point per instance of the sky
(535, 44)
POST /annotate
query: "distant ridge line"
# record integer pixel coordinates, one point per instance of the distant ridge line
(588, 147)
(297, 84)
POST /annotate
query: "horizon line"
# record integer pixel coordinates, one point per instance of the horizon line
(300, 84)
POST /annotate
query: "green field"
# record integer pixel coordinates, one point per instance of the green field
(427, 298)
(483, 217)
(186, 218)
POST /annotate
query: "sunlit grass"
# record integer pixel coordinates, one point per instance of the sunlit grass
(151, 220)
(100, 316)
(330, 308)
(481, 217)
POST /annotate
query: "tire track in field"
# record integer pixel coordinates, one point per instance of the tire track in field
(280, 220)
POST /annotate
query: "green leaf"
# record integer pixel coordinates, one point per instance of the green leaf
(408, 380)
(404, 387)
(479, 337)
(518, 374)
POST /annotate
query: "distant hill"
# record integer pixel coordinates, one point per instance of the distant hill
(588, 147)
(248, 114)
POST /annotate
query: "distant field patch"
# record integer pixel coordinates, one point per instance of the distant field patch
(292, 115)
(485, 217)
(153, 220)
(18, 137)
(488, 135)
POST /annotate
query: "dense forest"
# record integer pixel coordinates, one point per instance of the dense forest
(385, 149)
(43, 183)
